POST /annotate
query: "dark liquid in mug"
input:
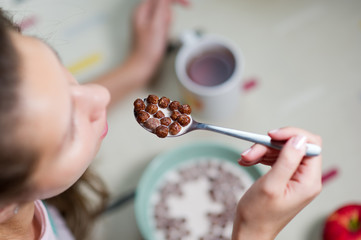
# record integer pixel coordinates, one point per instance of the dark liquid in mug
(212, 67)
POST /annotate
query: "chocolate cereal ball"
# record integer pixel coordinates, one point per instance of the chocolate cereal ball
(161, 131)
(175, 115)
(183, 120)
(159, 114)
(152, 99)
(139, 105)
(174, 105)
(142, 116)
(185, 109)
(163, 102)
(151, 108)
(152, 124)
(166, 121)
(175, 128)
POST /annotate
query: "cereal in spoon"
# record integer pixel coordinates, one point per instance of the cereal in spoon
(162, 116)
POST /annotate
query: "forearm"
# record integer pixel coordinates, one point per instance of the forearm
(127, 77)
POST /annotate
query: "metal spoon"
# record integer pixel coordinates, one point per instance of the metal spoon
(312, 149)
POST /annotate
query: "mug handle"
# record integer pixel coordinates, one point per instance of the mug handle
(190, 37)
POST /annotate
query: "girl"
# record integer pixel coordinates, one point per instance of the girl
(51, 128)
(70, 119)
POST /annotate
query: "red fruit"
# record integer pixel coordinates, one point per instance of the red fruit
(344, 224)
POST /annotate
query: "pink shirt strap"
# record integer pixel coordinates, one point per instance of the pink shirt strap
(52, 224)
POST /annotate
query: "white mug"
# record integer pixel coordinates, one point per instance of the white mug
(209, 100)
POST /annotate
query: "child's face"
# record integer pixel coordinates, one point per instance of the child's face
(64, 121)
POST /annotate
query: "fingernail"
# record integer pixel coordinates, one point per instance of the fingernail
(241, 162)
(298, 142)
(274, 130)
(246, 152)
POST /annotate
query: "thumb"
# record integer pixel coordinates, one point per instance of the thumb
(287, 162)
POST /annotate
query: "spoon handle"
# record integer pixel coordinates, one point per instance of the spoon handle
(312, 149)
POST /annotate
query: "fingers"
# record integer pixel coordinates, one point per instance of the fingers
(288, 161)
(143, 12)
(314, 164)
(157, 11)
(182, 2)
(162, 11)
(261, 154)
(258, 154)
(286, 133)
(289, 164)
(253, 155)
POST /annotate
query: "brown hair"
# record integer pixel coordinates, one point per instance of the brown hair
(81, 203)
(15, 170)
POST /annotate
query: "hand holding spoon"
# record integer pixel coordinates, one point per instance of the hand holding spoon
(170, 119)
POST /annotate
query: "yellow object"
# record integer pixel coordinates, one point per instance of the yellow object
(85, 63)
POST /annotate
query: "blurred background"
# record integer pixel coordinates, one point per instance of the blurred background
(302, 68)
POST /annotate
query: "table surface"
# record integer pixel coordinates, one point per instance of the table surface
(305, 58)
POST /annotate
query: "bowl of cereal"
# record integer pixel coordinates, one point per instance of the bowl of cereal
(191, 192)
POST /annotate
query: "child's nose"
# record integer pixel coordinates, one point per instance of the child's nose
(92, 99)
